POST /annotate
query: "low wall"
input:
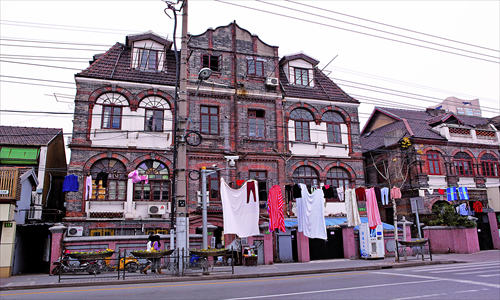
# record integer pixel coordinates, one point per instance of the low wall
(447, 239)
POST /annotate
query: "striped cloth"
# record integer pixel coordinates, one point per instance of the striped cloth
(275, 209)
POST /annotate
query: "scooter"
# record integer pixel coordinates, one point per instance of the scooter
(64, 266)
(130, 264)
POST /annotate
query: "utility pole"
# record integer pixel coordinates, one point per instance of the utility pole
(182, 217)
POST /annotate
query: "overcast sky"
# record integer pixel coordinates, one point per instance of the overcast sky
(374, 70)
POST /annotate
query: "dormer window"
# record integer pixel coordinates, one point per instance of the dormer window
(148, 56)
(148, 59)
(301, 76)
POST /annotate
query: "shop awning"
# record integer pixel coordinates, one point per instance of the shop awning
(21, 156)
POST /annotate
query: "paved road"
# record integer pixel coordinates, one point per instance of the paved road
(480, 280)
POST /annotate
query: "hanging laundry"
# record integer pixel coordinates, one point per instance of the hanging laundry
(340, 191)
(240, 181)
(441, 191)
(88, 187)
(431, 191)
(240, 214)
(134, 175)
(451, 193)
(463, 209)
(421, 193)
(297, 191)
(463, 193)
(372, 209)
(275, 209)
(328, 191)
(102, 176)
(351, 207)
(310, 213)
(395, 193)
(378, 195)
(360, 193)
(477, 206)
(385, 195)
(70, 183)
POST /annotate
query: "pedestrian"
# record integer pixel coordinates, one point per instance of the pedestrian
(153, 263)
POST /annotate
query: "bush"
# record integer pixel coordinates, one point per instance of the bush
(445, 215)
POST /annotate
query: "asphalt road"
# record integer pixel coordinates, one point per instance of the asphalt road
(463, 281)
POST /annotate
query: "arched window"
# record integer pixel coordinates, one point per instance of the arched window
(307, 175)
(337, 177)
(463, 164)
(109, 180)
(112, 104)
(489, 165)
(158, 186)
(333, 121)
(302, 117)
(433, 163)
(154, 115)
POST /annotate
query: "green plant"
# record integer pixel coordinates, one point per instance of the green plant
(444, 215)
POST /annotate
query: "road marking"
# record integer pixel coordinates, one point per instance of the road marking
(331, 290)
(441, 278)
(476, 272)
(190, 284)
(461, 265)
(454, 270)
(490, 275)
(434, 295)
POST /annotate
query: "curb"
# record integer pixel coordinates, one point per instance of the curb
(230, 276)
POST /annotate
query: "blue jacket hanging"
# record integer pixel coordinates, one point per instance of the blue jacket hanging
(70, 183)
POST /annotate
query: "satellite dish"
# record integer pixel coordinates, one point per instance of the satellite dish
(204, 74)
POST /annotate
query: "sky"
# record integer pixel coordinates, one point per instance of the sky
(403, 54)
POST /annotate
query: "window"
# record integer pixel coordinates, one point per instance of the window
(463, 164)
(112, 104)
(109, 180)
(489, 165)
(433, 163)
(333, 121)
(209, 119)
(469, 112)
(301, 76)
(158, 186)
(256, 123)
(102, 232)
(255, 67)
(306, 175)
(213, 186)
(211, 61)
(156, 231)
(261, 177)
(337, 177)
(302, 117)
(148, 59)
(154, 116)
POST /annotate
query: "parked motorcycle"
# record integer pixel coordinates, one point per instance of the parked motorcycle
(130, 263)
(64, 266)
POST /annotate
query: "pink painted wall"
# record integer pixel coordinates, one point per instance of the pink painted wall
(349, 242)
(302, 247)
(452, 239)
(268, 249)
(494, 230)
(55, 248)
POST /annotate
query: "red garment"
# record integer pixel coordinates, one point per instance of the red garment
(477, 206)
(360, 193)
(275, 209)
(240, 182)
(395, 193)
(441, 191)
(251, 190)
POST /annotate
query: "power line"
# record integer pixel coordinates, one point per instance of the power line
(52, 42)
(57, 48)
(15, 62)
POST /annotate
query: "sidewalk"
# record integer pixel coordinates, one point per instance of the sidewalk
(36, 281)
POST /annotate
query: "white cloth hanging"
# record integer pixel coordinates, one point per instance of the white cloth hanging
(88, 188)
(351, 207)
(240, 208)
(310, 213)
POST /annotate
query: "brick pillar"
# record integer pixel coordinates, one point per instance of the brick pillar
(56, 244)
(302, 247)
(349, 242)
(268, 249)
(492, 219)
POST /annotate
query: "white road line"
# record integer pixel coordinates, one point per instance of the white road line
(476, 272)
(333, 290)
(434, 295)
(441, 278)
(468, 268)
(461, 265)
(490, 275)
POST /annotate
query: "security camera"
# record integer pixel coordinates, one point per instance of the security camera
(231, 159)
(204, 74)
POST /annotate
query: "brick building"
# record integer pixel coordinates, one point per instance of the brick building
(260, 117)
(424, 151)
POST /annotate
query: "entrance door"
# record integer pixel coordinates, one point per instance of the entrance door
(484, 232)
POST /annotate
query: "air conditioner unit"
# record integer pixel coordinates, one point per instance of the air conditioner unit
(198, 193)
(271, 81)
(75, 231)
(159, 209)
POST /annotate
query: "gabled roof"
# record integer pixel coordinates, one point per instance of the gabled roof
(116, 64)
(149, 35)
(27, 136)
(415, 123)
(300, 55)
(324, 88)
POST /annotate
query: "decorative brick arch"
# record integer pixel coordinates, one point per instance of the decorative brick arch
(88, 164)
(489, 152)
(439, 150)
(111, 89)
(474, 158)
(425, 161)
(342, 112)
(434, 200)
(155, 92)
(157, 157)
(339, 164)
(316, 114)
(301, 163)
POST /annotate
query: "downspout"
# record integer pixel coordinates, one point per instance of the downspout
(235, 78)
